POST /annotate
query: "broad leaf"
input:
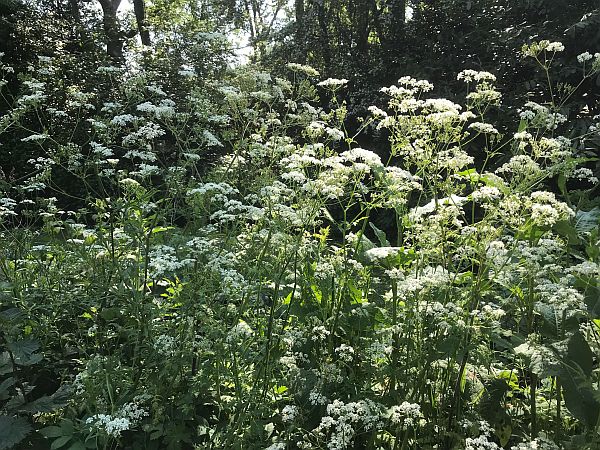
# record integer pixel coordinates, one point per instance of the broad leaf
(12, 431)
(586, 221)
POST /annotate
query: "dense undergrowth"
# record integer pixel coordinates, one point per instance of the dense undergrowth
(256, 304)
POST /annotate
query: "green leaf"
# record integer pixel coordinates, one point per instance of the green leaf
(78, 445)
(11, 314)
(60, 442)
(565, 229)
(52, 432)
(23, 351)
(47, 403)
(12, 431)
(381, 237)
(586, 221)
(580, 353)
(10, 381)
(581, 398)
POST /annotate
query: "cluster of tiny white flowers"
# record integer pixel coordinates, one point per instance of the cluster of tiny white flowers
(536, 444)
(163, 259)
(319, 333)
(289, 413)
(307, 70)
(333, 83)
(165, 345)
(127, 417)
(541, 116)
(113, 426)
(163, 110)
(555, 47)
(345, 353)
(239, 332)
(7, 207)
(480, 443)
(546, 210)
(470, 75)
(406, 414)
(486, 194)
(343, 420)
(585, 174)
(484, 128)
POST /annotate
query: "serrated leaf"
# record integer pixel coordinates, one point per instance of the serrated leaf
(12, 431)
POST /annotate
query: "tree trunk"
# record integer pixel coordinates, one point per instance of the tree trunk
(324, 34)
(300, 30)
(139, 9)
(115, 38)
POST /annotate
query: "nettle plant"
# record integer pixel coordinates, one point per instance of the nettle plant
(257, 305)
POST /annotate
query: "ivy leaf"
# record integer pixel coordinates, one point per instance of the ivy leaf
(12, 431)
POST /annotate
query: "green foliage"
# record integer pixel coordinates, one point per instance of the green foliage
(228, 268)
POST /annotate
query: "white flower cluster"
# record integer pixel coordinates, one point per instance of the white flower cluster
(540, 116)
(289, 413)
(546, 210)
(444, 316)
(484, 128)
(345, 353)
(333, 83)
(307, 70)
(36, 137)
(7, 207)
(113, 426)
(481, 443)
(165, 345)
(540, 443)
(407, 414)
(127, 417)
(123, 119)
(555, 47)
(379, 254)
(585, 174)
(163, 259)
(165, 109)
(486, 194)
(344, 419)
(470, 75)
(144, 134)
(239, 332)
